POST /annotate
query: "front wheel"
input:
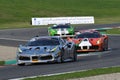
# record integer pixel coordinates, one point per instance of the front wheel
(75, 55)
(62, 56)
(21, 64)
(105, 46)
(61, 60)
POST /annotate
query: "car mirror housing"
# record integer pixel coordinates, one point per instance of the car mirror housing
(68, 45)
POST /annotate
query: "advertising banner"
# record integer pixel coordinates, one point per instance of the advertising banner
(63, 20)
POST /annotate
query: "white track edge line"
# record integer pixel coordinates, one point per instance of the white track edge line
(13, 39)
(58, 73)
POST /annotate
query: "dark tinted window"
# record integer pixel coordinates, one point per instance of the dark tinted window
(88, 35)
(44, 42)
(60, 26)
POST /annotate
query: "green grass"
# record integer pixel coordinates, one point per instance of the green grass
(79, 74)
(18, 13)
(113, 31)
(2, 62)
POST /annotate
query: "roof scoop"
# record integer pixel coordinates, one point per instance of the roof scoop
(85, 39)
(37, 48)
(30, 48)
(45, 47)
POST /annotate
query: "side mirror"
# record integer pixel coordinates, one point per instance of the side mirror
(62, 49)
(69, 45)
(103, 35)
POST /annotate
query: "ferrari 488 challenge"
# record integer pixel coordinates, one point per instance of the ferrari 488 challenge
(61, 29)
(91, 40)
(46, 49)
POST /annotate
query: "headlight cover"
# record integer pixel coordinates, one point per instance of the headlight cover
(99, 41)
(52, 50)
(19, 51)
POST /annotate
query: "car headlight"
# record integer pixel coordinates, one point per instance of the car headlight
(19, 50)
(99, 41)
(52, 50)
(53, 31)
(70, 30)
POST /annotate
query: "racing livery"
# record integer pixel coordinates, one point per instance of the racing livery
(46, 49)
(60, 29)
(90, 40)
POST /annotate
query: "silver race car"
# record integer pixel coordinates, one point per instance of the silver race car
(46, 49)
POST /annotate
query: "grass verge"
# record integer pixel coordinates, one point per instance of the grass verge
(18, 13)
(2, 62)
(79, 74)
(113, 31)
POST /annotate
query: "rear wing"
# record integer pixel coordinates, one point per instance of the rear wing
(102, 31)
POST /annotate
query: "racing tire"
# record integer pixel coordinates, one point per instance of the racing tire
(105, 46)
(75, 55)
(60, 60)
(61, 57)
(21, 64)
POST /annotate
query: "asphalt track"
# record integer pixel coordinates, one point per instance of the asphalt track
(14, 37)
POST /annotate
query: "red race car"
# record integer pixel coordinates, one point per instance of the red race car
(90, 40)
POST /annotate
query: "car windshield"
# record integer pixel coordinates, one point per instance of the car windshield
(44, 42)
(88, 35)
(60, 26)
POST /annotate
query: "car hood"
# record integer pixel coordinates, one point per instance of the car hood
(38, 49)
(91, 40)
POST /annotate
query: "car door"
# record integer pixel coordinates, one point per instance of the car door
(71, 49)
